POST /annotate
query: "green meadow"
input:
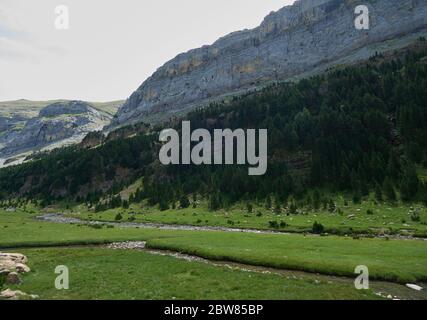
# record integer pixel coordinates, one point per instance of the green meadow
(368, 217)
(115, 274)
(391, 260)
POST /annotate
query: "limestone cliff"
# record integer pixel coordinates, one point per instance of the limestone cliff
(288, 43)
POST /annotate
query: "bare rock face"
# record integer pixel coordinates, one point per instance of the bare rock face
(92, 140)
(58, 124)
(67, 108)
(288, 43)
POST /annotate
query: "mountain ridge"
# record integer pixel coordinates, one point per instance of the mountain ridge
(31, 126)
(288, 42)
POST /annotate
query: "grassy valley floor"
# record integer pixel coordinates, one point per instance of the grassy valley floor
(111, 274)
(368, 217)
(115, 274)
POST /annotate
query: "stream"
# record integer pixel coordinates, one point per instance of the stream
(388, 290)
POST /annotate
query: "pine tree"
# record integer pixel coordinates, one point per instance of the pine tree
(378, 193)
(409, 184)
(215, 201)
(389, 191)
(125, 204)
(268, 202)
(163, 205)
(249, 207)
(293, 208)
(316, 200)
(184, 202)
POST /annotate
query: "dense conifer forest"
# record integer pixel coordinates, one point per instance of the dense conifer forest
(357, 129)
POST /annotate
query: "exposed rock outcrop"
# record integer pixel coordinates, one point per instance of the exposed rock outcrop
(58, 124)
(288, 43)
(11, 263)
(13, 278)
(16, 295)
(11, 266)
(92, 139)
(68, 108)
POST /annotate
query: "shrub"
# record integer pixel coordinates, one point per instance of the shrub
(125, 204)
(249, 207)
(273, 224)
(357, 198)
(318, 228)
(293, 208)
(316, 200)
(118, 217)
(163, 205)
(184, 202)
(215, 202)
(415, 216)
(100, 207)
(283, 224)
(331, 206)
(96, 226)
(370, 212)
(378, 193)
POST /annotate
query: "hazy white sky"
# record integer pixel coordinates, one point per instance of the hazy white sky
(111, 46)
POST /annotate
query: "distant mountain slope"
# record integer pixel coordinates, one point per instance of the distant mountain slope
(24, 106)
(294, 40)
(29, 126)
(356, 129)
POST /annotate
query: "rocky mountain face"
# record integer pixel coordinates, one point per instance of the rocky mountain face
(290, 42)
(57, 124)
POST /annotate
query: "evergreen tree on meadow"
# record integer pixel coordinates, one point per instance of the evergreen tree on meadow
(409, 184)
(378, 193)
(184, 202)
(389, 190)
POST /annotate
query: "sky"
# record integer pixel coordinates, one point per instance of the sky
(111, 46)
